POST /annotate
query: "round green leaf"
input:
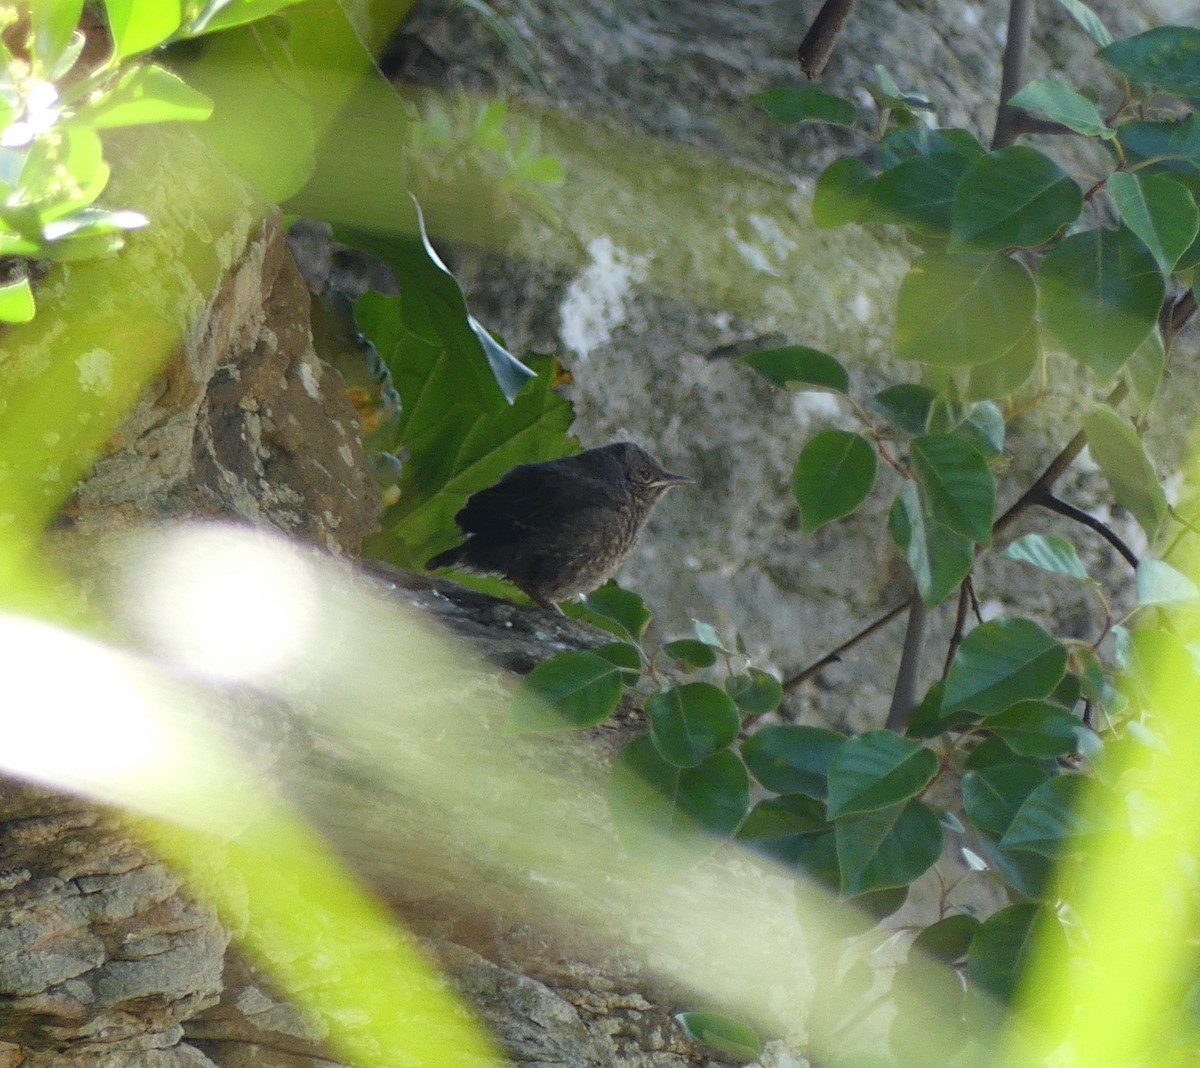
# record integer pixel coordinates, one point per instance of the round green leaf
(907, 405)
(1167, 57)
(958, 311)
(1145, 368)
(691, 653)
(948, 939)
(1036, 728)
(1006, 374)
(1161, 211)
(877, 770)
(940, 559)
(1059, 816)
(1088, 20)
(1012, 198)
(1003, 946)
(1059, 103)
(1116, 447)
(754, 692)
(789, 104)
(729, 1037)
(575, 689)
(777, 827)
(904, 142)
(654, 802)
(833, 476)
(1027, 873)
(139, 25)
(918, 192)
(1164, 147)
(796, 366)
(148, 94)
(888, 847)
(16, 302)
(1099, 292)
(625, 656)
(1002, 662)
(690, 722)
(993, 795)
(842, 193)
(792, 759)
(1047, 551)
(960, 491)
(621, 612)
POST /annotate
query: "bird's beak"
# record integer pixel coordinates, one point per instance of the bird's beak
(668, 479)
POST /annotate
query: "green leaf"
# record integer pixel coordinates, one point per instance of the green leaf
(54, 23)
(888, 847)
(1158, 583)
(833, 476)
(727, 1036)
(1145, 369)
(797, 366)
(1088, 19)
(792, 759)
(807, 103)
(1036, 729)
(655, 803)
(148, 94)
(947, 940)
(918, 193)
(625, 656)
(940, 559)
(782, 828)
(574, 689)
(1100, 292)
(1160, 210)
(691, 722)
(1061, 816)
(1003, 947)
(755, 692)
(907, 405)
(1059, 103)
(958, 311)
(917, 139)
(690, 653)
(928, 721)
(842, 193)
(960, 491)
(16, 301)
(622, 612)
(1116, 447)
(1002, 662)
(1012, 198)
(984, 428)
(1006, 374)
(1167, 58)
(1164, 147)
(877, 770)
(139, 25)
(225, 14)
(993, 795)
(1047, 551)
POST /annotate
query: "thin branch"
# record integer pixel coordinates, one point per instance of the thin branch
(1020, 23)
(817, 46)
(960, 623)
(904, 694)
(849, 643)
(1056, 504)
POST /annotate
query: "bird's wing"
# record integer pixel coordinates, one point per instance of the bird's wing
(533, 497)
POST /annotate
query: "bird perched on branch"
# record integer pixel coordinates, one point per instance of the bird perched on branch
(561, 528)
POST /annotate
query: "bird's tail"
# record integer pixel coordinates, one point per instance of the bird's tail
(446, 559)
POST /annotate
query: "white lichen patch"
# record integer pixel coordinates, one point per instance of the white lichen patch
(812, 407)
(346, 454)
(597, 301)
(96, 371)
(308, 379)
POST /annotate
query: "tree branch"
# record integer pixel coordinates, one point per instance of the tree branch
(1056, 504)
(1020, 22)
(849, 643)
(904, 694)
(817, 46)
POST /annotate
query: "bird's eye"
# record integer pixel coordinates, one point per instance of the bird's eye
(644, 474)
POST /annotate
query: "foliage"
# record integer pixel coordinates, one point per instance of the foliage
(1029, 730)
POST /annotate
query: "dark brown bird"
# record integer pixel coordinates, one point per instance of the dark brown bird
(561, 528)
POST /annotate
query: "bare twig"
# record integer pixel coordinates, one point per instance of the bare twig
(849, 643)
(1020, 21)
(904, 693)
(817, 46)
(960, 622)
(1056, 504)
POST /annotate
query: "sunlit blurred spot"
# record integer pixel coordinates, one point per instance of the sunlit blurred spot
(73, 709)
(232, 604)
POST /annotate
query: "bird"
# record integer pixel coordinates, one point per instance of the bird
(561, 528)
